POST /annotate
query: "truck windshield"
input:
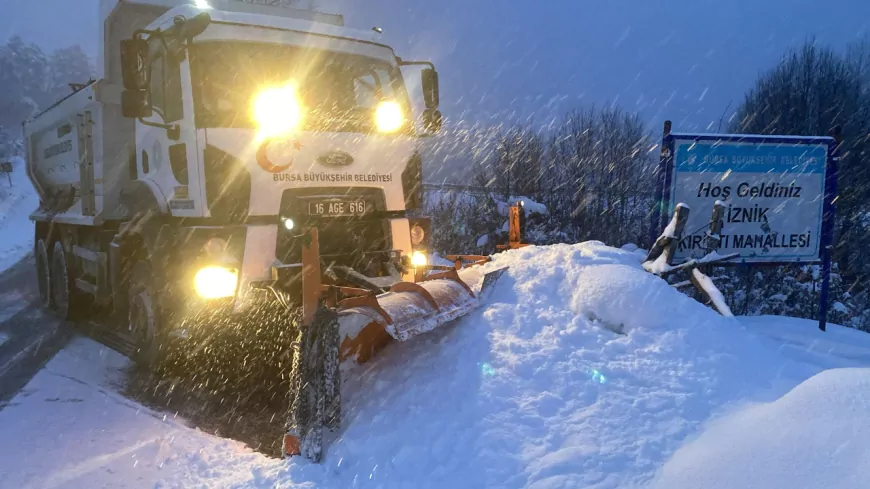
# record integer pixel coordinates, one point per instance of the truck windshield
(338, 90)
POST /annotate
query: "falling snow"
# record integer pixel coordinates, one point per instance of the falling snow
(582, 369)
(448, 408)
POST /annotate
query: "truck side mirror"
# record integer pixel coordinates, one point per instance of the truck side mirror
(430, 88)
(136, 74)
(195, 26)
(178, 37)
(135, 67)
(432, 120)
(135, 104)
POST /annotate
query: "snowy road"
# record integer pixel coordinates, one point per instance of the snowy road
(70, 428)
(29, 337)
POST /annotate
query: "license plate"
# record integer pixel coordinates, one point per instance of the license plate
(337, 208)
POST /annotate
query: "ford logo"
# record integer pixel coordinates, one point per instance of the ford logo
(335, 158)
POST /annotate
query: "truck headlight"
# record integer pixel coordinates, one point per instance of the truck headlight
(388, 116)
(214, 282)
(419, 259)
(417, 235)
(277, 111)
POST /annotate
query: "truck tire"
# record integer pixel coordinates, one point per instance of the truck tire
(63, 293)
(143, 316)
(43, 273)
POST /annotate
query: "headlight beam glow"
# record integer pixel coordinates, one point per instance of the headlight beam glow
(277, 111)
(419, 259)
(215, 282)
(389, 116)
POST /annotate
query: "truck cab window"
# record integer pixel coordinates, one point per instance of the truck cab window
(339, 90)
(157, 83)
(166, 97)
(366, 91)
(172, 101)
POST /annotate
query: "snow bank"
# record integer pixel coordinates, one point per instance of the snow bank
(582, 370)
(16, 204)
(815, 436)
(537, 390)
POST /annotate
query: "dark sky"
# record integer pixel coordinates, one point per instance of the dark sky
(678, 59)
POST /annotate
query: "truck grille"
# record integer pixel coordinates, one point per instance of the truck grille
(347, 240)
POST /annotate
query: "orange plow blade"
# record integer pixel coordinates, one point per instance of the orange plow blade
(410, 309)
(345, 325)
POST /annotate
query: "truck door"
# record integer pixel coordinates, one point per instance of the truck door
(169, 157)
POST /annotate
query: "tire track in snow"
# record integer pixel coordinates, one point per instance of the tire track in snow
(32, 336)
(70, 473)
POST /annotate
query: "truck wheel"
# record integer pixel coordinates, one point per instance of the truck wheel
(143, 316)
(60, 279)
(43, 271)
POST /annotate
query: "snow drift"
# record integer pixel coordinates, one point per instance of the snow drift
(582, 370)
(815, 436)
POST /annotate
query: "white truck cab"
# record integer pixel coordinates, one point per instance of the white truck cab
(215, 132)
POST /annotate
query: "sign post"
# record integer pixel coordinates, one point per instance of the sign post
(828, 224)
(775, 196)
(660, 210)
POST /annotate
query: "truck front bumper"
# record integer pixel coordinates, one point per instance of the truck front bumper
(247, 255)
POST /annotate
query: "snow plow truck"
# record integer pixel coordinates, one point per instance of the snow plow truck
(234, 158)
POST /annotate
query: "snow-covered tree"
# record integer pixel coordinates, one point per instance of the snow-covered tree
(25, 81)
(517, 165)
(30, 80)
(811, 90)
(592, 172)
(69, 66)
(9, 145)
(599, 182)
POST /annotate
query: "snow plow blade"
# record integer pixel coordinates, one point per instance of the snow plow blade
(409, 309)
(345, 325)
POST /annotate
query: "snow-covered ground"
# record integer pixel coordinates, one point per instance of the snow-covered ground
(16, 203)
(815, 436)
(581, 371)
(69, 428)
(800, 340)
